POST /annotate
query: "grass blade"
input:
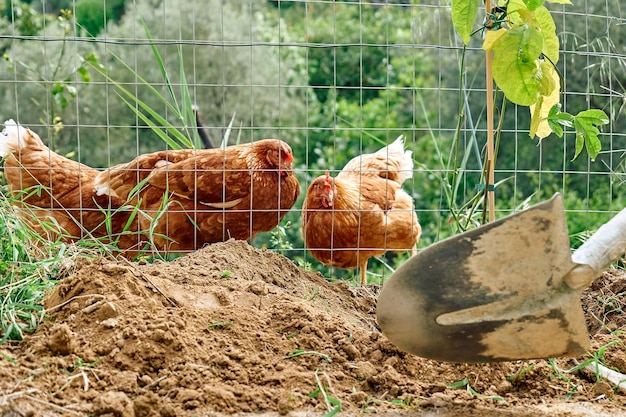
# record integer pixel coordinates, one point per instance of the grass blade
(160, 62)
(227, 132)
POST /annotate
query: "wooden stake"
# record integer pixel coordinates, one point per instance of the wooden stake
(490, 184)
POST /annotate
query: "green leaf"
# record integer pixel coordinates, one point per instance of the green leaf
(550, 95)
(558, 119)
(580, 142)
(57, 88)
(533, 4)
(515, 62)
(586, 123)
(83, 74)
(92, 59)
(535, 117)
(554, 110)
(464, 14)
(545, 23)
(593, 116)
(517, 11)
(492, 37)
(540, 18)
(549, 79)
(458, 384)
(58, 93)
(559, 1)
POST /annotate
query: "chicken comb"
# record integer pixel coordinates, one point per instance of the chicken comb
(327, 181)
(287, 151)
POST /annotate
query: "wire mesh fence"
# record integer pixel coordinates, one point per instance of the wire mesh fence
(105, 82)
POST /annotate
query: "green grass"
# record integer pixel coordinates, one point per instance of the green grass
(562, 375)
(408, 403)
(29, 266)
(31, 263)
(520, 375)
(80, 370)
(218, 324)
(296, 353)
(177, 101)
(333, 405)
(464, 384)
(35, 254)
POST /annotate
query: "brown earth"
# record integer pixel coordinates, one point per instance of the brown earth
(232, 329)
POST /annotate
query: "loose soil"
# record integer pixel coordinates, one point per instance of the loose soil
(231, 329)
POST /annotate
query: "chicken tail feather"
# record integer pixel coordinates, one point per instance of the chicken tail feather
(11, 138)
(396, 151)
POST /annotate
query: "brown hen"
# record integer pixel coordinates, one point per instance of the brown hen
(363, 212)
(173, 201)
(188, 198)
(55, 188)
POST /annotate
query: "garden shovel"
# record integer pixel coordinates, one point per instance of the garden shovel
(505, 291)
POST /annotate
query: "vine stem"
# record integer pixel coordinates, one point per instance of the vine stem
(490, 183)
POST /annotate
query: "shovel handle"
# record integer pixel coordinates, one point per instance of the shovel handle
(599, 251)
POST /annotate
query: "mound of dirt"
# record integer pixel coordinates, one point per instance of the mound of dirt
(234, 329)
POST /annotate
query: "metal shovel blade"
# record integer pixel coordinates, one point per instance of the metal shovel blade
(491, 294)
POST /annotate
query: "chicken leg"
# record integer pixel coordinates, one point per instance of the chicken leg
(363, 270)
(363, 266)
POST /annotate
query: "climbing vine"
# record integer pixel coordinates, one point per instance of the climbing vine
(522, 36)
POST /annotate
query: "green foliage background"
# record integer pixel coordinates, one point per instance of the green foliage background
(334, 79)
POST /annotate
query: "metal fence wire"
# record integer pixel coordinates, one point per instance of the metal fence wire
(104, 83)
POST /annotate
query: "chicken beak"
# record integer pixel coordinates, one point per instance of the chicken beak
(284, 163)
(327, 201)
(285, 167)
